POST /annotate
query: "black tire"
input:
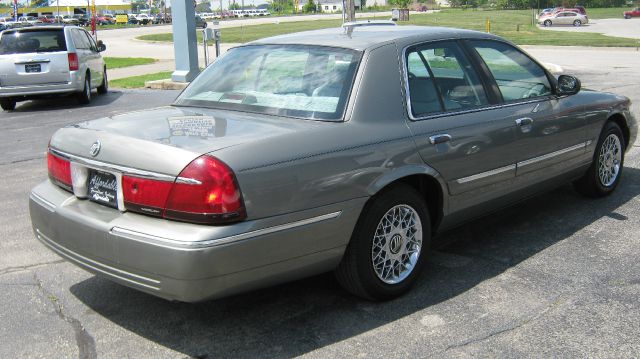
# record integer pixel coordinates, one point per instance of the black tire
(547, 23)
(204, 26)
(8, 103)
(592, 183)
(627, 17)
(577, 23)
(104, 87)
(84, 97)
(356, 271)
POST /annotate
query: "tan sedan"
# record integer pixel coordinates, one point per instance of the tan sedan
(563, 18)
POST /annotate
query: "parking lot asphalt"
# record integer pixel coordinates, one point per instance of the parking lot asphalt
(555, 276)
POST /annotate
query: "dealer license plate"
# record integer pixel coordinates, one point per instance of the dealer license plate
(32, 68)
(103, 188)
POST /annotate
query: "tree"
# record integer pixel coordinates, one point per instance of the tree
(39, 3)
(401, 4)
(204, 6)
(234, 6)
(310, 6)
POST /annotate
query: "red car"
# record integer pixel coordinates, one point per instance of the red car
(47, 19)
(633, 13)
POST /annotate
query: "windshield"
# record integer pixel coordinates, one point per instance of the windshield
(311, 82)
(22, 42)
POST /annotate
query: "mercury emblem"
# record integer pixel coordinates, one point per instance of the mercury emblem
(95, 148)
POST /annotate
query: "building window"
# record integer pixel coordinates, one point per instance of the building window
(334, 7)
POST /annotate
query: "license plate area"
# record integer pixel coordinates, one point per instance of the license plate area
(32, 68)
(102, 187)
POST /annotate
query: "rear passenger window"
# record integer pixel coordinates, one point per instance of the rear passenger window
(80, 40)
(440, 77)
(516, 75)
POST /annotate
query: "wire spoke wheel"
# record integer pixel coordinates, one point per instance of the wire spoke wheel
(609, 160)
(396, 244)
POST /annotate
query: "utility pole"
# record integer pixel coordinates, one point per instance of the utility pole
(350, 11)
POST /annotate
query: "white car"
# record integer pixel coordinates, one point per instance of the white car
(563, 18)
(49, 60)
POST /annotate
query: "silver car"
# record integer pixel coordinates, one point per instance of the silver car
(563, 18)
(341, 150)
(51, 60)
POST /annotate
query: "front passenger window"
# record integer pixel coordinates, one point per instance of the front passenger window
(516, 75)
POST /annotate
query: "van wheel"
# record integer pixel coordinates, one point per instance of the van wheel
(388, 247)
(84, 97)
(603, 176)
(104, 87)
(8, 103)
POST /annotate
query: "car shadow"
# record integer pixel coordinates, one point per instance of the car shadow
(63, 102)
(299, 317)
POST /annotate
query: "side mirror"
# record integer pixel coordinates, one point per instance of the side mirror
(101, 46)
(568, 85)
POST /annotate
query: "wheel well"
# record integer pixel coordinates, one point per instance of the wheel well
(622, 122)
(431, 192)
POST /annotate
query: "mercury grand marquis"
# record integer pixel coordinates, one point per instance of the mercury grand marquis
(342, 150)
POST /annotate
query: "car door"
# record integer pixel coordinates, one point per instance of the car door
(95, 61)
(457, 128)
(550, 130)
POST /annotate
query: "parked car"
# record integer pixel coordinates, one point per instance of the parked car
(564, 18)
(105, 20)
(325, 150)
(83, 20)
(66, 19)
(143, 19)
(48, 19)
(200, 22)
(51, 60)
(29, 20)
(633, 13)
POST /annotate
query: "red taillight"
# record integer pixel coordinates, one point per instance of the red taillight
(73, 61)
(145, 195)
(59, 171)
(206, 191)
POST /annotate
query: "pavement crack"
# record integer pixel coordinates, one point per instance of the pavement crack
(85, 342)
(27, 267)
(21, 160)
(517, 325)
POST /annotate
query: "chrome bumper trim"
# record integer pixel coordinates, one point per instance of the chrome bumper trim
(96, 266)
(198, 245)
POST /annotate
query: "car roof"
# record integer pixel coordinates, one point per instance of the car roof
(364, 37)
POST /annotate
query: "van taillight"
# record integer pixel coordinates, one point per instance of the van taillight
(73, 61)
(59, 171)
(206, 191)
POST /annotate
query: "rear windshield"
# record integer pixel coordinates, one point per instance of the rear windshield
(311, 82)
(22, 42)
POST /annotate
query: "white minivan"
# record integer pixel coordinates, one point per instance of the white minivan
(44, 61)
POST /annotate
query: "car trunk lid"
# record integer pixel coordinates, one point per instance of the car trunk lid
(165, 140)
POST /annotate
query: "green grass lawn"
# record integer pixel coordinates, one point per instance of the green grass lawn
(118, 62)
(503, 23)
(138, 81)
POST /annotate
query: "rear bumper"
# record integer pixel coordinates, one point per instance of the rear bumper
(186, 262)
(75, 84)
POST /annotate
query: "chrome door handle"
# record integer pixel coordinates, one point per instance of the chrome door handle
(525, 121)
(441, 138)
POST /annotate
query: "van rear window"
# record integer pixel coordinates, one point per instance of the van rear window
(22, 42)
